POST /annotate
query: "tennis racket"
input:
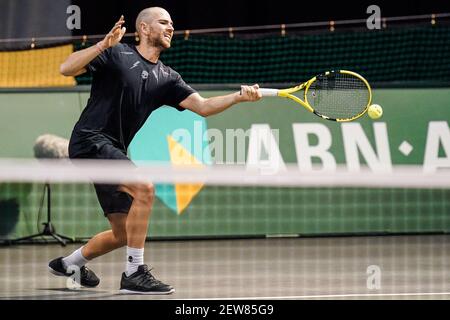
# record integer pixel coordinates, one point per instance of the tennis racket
(334, 95)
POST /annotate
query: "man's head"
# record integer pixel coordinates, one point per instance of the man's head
(155, 27)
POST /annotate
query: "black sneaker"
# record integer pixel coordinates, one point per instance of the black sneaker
(87, 277)
(143, 282)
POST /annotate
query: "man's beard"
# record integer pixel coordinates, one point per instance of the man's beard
(158, 42)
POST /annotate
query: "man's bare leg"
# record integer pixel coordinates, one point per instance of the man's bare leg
(137, 223)
(137, 278)
(139, 214)
(100, 244)
(107, 241)
(126, 229)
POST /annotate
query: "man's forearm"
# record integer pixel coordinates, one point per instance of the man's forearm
(209, 106)
(77, 61)
(220, 103)
(80, 59)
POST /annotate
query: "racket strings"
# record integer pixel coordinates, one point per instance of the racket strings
(338, 96)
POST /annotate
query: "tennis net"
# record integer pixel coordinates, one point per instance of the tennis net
(227, 201)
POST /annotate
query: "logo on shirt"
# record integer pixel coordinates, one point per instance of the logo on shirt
(164, 71)
(144, 74)
(155, 75)
(126, 52)
(135, 65)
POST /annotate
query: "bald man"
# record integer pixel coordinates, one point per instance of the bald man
(129, 83)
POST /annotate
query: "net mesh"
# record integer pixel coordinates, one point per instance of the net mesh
(409, 55)
(34, 68)
(233, 203)
(414, 55)
(338, 95)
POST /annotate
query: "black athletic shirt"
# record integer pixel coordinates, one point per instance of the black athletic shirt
(126, 89)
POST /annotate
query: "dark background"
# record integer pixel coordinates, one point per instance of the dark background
(38, 18)
(197, 14)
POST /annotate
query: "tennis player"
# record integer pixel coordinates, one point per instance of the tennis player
(129, 83)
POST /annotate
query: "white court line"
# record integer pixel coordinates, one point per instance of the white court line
(332, 296)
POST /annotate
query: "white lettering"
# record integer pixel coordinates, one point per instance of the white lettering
(306, 152)
(73, 282)
(262, 135)
(73, 21)
(374, 280)
(438, 133)
(214, 148)
(355, 139)
(373, 21)
(232, 135)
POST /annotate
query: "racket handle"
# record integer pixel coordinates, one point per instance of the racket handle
(268, 92)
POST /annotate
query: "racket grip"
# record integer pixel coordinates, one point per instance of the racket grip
(268, 92)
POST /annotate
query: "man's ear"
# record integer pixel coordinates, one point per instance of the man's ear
(144, 27)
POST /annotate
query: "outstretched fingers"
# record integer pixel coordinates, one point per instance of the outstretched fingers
(116, 33)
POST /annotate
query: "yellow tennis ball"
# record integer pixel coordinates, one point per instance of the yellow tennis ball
(375, 111)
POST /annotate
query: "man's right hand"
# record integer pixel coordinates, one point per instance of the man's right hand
(114, 36)
(76, 63)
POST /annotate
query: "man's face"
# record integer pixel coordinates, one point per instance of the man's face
(160, 29)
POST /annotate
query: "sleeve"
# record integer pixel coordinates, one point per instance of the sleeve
(101, 62)
(177, 92)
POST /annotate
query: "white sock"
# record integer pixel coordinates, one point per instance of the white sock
(76, 258)
(135, 257)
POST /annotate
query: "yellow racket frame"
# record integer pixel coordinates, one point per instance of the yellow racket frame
(287, 93)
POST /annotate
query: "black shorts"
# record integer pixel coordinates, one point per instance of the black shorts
(111, 199)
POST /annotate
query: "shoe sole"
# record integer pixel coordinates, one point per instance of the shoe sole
(59, 274)
(126, 291)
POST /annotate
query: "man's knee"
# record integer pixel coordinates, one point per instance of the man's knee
(149, 189)
(143, 192)
(146, 193)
